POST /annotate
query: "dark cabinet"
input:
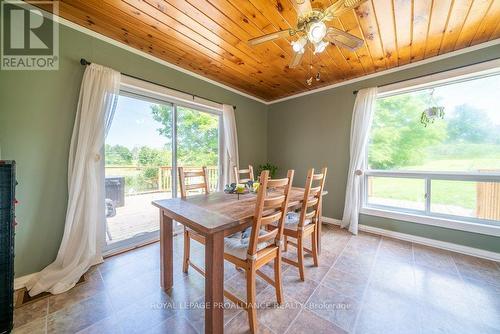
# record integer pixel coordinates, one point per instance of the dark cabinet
(7, 222)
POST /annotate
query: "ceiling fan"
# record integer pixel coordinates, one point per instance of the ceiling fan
(311, 28)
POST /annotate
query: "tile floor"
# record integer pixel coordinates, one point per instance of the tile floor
(364, 284)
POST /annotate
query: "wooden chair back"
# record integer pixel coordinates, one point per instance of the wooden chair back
(248, 172)
(271, 206)
(313, 194)
(185, 180)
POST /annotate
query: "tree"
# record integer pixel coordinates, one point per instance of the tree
(398, 138)
(118, 155)
(197, 134)
(151, 159)
(471, 125)
(147, 156)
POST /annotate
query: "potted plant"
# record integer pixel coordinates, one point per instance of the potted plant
(273, 169)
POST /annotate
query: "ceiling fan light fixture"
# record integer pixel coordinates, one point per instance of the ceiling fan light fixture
(298, 45)
(320, 47)
(316, 31)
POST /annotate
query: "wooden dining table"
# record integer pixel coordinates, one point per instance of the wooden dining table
(215, 216)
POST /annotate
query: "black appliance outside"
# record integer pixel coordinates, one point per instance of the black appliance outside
(115, 190)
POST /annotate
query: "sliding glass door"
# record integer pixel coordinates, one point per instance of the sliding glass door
(148, 138)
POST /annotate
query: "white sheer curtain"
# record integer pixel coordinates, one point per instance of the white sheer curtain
(230, 157)
(84, 228)
(360, 130)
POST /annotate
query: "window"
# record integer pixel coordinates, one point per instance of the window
(150, 135)
(444, 166)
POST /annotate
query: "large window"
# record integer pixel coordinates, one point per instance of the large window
(435, 151)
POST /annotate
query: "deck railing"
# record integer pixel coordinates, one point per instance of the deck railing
(488, 198)
(146, 179)
(165, 177)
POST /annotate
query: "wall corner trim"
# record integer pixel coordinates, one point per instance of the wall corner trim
(481, 253)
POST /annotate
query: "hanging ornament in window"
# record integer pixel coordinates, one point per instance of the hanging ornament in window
(433, 112)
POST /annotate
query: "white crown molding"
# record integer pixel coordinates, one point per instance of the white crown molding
(424, 241)
(393, 70)
(234, 90)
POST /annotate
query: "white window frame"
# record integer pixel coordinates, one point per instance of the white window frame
(426, 216)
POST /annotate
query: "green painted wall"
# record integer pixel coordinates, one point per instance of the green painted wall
(444, 234)
(37, 111)
(314, 130)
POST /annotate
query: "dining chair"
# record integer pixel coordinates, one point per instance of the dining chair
(260, 246)
(306, 223)
(189, 180)
(238, 172)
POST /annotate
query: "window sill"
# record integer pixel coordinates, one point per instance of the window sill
(433, 221)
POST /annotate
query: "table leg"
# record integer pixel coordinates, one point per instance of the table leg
(166, 252)
(214, 283)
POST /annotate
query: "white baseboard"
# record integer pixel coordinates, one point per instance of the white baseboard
(332, 221)
(21, 282)
(424, 241)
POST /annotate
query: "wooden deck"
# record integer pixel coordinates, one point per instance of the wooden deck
(137, 217)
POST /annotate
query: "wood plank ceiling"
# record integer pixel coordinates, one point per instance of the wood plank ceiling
(210, 37)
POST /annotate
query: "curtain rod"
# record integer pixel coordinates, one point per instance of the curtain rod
(429, 74)
(84, 62)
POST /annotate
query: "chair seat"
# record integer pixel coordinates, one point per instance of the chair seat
(237, 244)
(292, 221)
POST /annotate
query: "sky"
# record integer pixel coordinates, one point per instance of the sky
(133, 125)
(482, 94)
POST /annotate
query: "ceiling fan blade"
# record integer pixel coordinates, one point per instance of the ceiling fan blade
(330, 11)
(344, 39)
(270, 37)
(340, 7)
(297, 58)
(302, 6)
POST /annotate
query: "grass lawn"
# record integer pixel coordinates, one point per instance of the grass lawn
(458, 193)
